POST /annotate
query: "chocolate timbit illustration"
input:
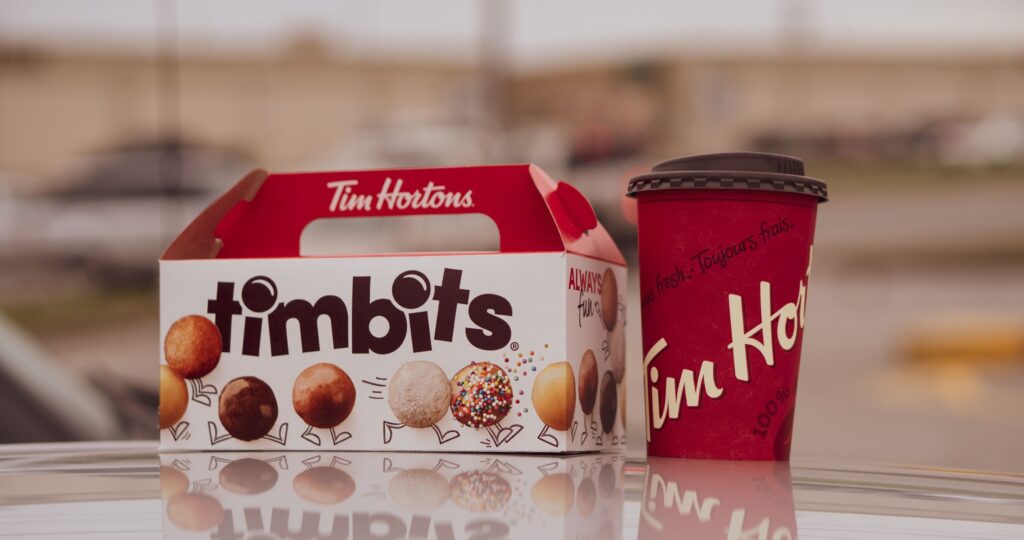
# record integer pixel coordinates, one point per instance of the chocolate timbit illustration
(481, 395)
(173, 397)
(554, 494)
(248, 408)
(609, 299)
(480, 491)
(419, 394)
(248, 476)
(588, 382)
(554, 395)
(609, 402)
(324, 485)
(323, 395)
(192, 346)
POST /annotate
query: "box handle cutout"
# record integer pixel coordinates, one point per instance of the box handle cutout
(462, 233)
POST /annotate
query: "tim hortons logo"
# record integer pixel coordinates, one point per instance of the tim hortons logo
(406, 313)
(782, 325)
(392, 197)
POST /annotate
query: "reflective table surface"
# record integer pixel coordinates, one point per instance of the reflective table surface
(127, 490)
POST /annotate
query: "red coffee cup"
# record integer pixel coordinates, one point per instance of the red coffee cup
(725, 252)
(691, 498)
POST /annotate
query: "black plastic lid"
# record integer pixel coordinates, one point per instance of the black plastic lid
(731, 170)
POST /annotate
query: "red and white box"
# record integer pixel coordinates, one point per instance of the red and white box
(516, 350)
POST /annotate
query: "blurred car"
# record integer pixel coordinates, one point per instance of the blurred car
(115, 217)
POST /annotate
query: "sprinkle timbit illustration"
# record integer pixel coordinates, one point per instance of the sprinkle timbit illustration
(483, 397)
(479, 491)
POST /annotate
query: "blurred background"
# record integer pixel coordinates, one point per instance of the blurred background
(120, 120)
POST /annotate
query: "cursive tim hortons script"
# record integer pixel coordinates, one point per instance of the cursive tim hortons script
(393, 197)
(688, 386)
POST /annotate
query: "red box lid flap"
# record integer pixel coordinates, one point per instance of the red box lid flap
(264, 216)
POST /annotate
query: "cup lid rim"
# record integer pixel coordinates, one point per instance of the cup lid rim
(742, 180)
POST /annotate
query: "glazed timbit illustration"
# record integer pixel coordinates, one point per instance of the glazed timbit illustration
(418, 490)
(173, 397)
(481, 395)
(554, 395)
(554, 494)
(419, 394)
(248, 408)
(323, 395)
(192, 346)
(588, 382)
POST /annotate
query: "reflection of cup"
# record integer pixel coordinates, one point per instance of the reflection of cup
(725, 250)
(685, 498)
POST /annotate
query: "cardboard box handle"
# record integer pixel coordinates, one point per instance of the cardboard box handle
(532, 213)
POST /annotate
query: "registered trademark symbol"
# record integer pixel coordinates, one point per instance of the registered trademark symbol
(515, 345)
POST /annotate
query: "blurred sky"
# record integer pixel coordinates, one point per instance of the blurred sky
(539, 33)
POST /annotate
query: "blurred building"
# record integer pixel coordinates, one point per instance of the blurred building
(283, 110)
(309, 108)
(830, 106)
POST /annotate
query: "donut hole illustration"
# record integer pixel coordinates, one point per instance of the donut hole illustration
(324, 485)
(173, 397)
(609, 402)
(609, 299)
(419, 394)
(192, 346)
(195, 511)
(588, 382)
(247, 408)
(323, 395)
(554, 494)
(586, 497)
(480, 491)
(481, 395)
(248, 476)
(418, 490)
(172, 482)
(554, 395)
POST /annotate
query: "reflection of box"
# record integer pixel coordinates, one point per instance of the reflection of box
(533, 309)
(379, 495)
